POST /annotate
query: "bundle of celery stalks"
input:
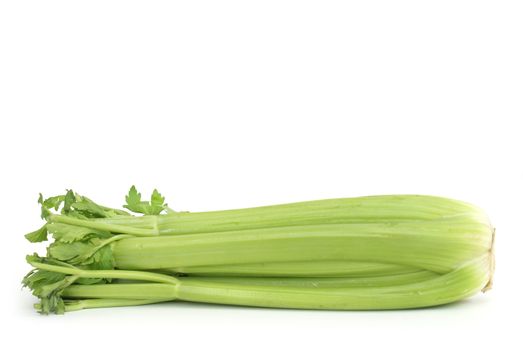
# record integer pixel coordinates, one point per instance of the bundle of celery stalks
(364, 253)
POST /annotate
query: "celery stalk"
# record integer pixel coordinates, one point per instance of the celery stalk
(365, 253)
(432, 290)
(437, 245)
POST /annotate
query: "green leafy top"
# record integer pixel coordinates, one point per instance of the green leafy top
(39, 235)
(83, 232)
(92, 254)
(73, 205)
(135, 203)
(78, 206)
(76, 241)
(47, 285)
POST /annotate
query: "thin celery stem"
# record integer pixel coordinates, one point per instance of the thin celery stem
(123, 274)
(100, 303)
(109, 241)
(149, 291)
(103, 226)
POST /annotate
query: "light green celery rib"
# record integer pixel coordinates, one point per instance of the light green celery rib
(323, 268)
(105, 226)
(388, 208)
(460, 283)
(76, 305)
(155, 291)
(121, 274)
(464, 281)
(168, 291)
(322, 282)
(438, 245)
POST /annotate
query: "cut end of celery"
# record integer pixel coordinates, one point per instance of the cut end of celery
(490, 282)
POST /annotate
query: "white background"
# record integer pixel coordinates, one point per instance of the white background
(226, 104)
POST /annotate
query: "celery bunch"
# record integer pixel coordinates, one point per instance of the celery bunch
(376, 252)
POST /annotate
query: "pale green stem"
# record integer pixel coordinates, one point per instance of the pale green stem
(99, 303)
(122, 274)
(103, 226)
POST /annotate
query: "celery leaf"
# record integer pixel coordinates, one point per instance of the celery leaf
(39, 235)
(135, 203)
